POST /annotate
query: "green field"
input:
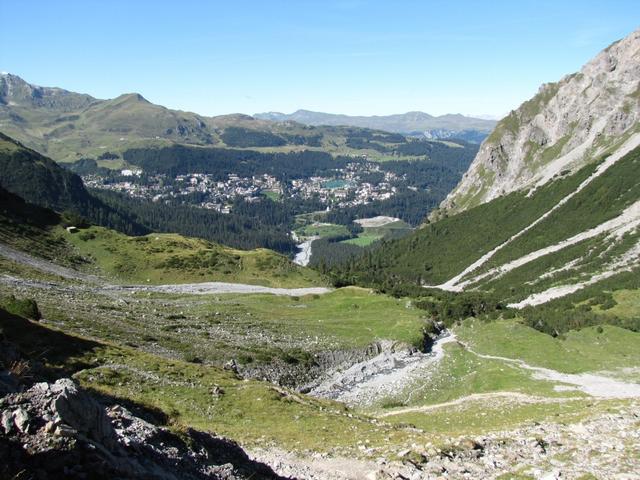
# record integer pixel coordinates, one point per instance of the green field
(498, 394)
(363, 239)
(373, 234)
(627, 304)
(275, 196)
(348, 317)
(324, 230)
(586, 350)
(460, 374)
(261, 414)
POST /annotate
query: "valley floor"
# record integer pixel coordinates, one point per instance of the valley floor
(527, 406)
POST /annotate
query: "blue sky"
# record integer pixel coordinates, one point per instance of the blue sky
(352, 56)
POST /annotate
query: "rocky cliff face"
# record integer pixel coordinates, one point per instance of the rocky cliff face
(14, 91)
(566, 125)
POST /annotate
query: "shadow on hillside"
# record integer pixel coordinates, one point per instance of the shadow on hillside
(34, 353)
(50, 352)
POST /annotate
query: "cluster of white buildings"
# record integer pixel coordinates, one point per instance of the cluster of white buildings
(214, 194)
(346, 187)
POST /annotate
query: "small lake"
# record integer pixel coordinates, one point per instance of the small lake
(334, 184)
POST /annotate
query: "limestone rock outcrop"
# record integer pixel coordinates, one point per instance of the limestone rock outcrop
(567, 125)
(57, 430)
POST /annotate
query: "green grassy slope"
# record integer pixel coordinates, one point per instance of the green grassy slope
(251, 412)
(587, 350)
(155, 258)
(443, 248)
(170, 258)
(497, 394)
(31, 228)
(37, 178)
(187, 394)
(251, 329)
(41, 181)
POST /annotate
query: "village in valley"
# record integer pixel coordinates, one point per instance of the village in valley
(359, 183)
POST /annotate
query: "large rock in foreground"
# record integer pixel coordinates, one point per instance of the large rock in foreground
(57, 430)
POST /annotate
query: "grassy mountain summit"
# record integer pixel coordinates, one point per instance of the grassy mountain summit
(16, 92)
(61, 123)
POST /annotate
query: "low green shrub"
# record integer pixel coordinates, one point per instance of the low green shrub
(26, 307)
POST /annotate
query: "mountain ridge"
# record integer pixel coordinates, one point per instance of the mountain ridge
(413, 122)
(68, 126)
(549, 208)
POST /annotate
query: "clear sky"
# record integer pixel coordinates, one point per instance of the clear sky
(351, 56)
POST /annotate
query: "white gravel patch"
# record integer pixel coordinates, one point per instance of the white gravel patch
(208, 288)
(378, 221)
(388, 373)
(303, 257)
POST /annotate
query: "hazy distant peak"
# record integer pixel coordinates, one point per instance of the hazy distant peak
(409, 122)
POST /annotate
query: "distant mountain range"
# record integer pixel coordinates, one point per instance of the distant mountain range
(67, 126)
(410, 123)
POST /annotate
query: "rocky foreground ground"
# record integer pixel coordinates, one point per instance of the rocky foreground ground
(603, 447)
(57, 430)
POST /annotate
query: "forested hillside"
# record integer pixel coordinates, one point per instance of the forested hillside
(42, 182)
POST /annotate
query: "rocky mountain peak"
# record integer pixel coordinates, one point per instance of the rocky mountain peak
(563, 127)
(16, 92)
